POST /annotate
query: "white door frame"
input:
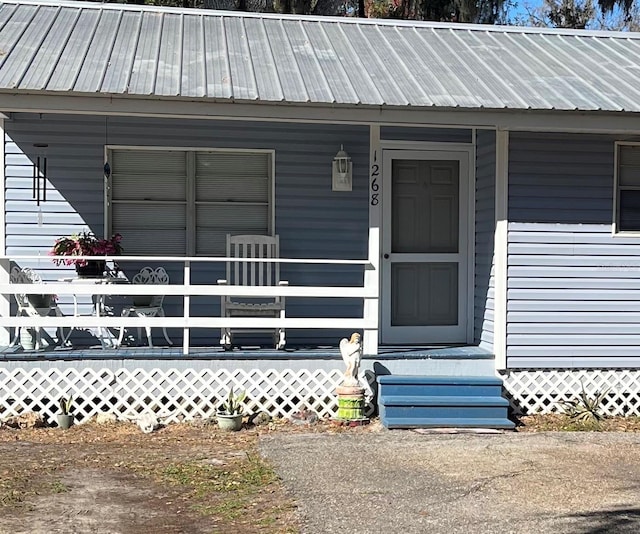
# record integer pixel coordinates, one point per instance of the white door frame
(463, 153)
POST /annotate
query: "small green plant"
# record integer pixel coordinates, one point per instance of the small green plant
(232, 404)
(65, 405)
(585, 409)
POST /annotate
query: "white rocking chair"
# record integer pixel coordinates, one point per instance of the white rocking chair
(251, 273)
(28, 305)
(147, 305)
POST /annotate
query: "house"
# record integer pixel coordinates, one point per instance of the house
(490, 227)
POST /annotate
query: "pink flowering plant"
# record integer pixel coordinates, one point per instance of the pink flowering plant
(84, 244)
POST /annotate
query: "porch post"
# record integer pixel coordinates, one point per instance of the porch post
(186, 308)
(5, 302)
(500, 249)
(372, 273)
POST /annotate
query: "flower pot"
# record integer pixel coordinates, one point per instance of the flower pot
(27, 338)
(229, 422)
(40, 301)
(92, 269)
(64, 420)
(142, 300)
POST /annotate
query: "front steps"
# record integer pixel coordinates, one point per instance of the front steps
(442, 401)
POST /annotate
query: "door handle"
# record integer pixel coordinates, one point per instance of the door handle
(386, 256)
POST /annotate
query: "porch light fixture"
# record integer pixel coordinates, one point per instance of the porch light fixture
(39, 190)
(342, 172)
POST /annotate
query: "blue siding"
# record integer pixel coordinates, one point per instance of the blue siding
(313, 221)
(432, 135)
(485, 227)
(573, 288)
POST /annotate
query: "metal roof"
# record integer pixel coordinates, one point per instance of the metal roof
(109, 49)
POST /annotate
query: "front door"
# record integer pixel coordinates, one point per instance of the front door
(425, 246)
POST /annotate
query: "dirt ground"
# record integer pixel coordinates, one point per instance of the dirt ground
(115, 479)
(184, 478)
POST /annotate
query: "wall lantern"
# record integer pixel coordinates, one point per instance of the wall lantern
(342, 172)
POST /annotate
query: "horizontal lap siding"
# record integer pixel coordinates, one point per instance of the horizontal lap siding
(312, 221)
(430, 135)
(573, 288)
(485, 226)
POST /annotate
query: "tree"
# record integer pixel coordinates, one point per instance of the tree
(481, 11)
(478, 11)
(581, 14)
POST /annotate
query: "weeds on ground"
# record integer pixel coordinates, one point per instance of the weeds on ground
(15, 491)
(227, 492)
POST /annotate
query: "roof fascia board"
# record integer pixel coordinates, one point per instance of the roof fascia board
(514, 120)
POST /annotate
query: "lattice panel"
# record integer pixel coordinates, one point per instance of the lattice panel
(541, 391)
(173, 394)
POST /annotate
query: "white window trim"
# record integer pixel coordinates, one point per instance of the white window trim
(190, 185)
(615, 223)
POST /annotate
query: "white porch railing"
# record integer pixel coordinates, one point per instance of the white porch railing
(369, 292)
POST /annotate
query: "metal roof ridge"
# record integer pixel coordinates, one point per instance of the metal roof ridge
(327, 19)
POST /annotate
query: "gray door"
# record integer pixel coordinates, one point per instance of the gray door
(424, 248)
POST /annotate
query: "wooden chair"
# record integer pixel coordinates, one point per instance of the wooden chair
(147, 305)
(33, 305)
(251, 273)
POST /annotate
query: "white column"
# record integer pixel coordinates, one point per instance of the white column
(5, 300)
(500, 249)
(187, 308)
(372, 273)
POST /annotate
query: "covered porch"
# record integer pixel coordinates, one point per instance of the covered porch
(338, 248)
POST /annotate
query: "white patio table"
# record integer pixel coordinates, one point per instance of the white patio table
(99, 308)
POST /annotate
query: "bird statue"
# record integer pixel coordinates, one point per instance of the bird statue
(351, 350)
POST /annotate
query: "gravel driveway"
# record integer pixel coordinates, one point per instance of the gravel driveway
(406, 482)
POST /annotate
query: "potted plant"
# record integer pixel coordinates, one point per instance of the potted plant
(230, 412)
(41, 301)
(86, 244)
(65, 418)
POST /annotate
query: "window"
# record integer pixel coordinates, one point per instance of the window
(173, 202)
(628, 187)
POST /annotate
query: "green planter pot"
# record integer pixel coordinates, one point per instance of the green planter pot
(229, 422)
(64, 421)
(350, 408)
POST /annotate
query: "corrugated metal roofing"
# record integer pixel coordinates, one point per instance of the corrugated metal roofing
(89, 48)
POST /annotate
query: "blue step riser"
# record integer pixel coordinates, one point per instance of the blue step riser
(447, 423)
(400, 400)
(437, 389)
(463, 412)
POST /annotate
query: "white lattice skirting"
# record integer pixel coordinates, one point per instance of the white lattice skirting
(541, 391)
(175, 394)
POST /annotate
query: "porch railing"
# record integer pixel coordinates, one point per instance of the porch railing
(368, 291)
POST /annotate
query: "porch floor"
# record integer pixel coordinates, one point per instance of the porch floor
(385, 352)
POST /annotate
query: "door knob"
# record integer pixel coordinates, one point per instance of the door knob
(386, 256)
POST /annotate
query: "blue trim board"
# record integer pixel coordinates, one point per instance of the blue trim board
(246, 353)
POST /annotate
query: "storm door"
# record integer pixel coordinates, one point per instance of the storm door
(425, 247)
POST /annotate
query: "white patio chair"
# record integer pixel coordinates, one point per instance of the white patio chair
(147, 305)
(251, 273)
(28, 304)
